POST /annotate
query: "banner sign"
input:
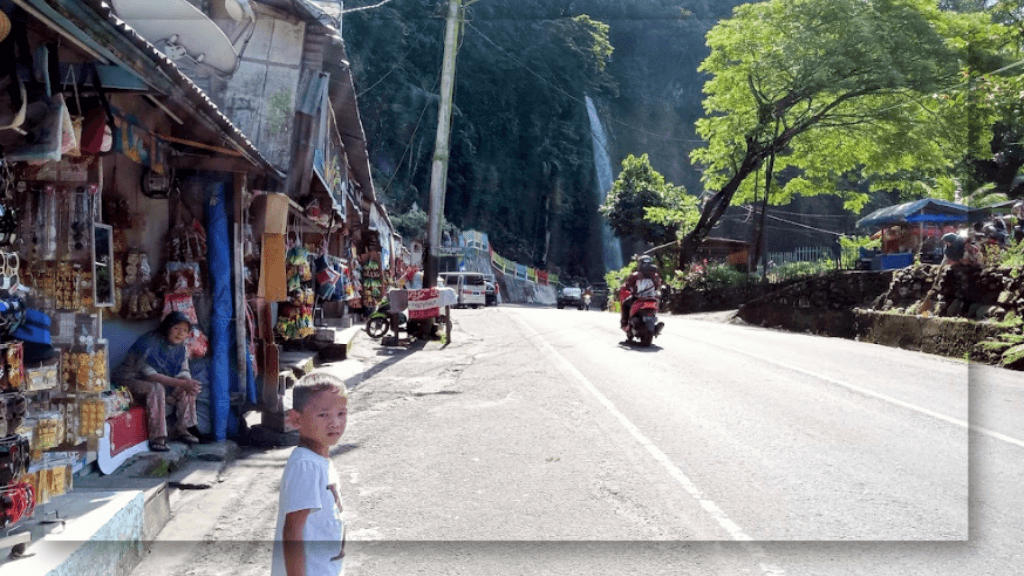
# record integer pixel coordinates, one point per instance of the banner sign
(427, 303)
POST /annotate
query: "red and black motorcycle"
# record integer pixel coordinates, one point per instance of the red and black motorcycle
(643, 322)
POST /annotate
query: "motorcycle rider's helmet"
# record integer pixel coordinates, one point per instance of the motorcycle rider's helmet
(645, 264)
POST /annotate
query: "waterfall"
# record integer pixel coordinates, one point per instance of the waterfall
(610, 245)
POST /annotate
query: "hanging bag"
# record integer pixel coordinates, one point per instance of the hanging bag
(98, 126)
(75, 120)
(35, 329)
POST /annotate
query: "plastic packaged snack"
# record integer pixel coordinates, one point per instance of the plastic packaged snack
(92, 413)
(49, 430)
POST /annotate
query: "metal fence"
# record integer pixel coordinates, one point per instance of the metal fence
(803, 254)
(818, 257)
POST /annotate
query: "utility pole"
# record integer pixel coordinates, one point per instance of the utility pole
(439, 166)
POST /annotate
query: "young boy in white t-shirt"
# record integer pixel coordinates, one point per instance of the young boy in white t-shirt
(309, 539)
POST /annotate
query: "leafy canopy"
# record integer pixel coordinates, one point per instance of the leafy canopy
(831, 88)
(642, 204)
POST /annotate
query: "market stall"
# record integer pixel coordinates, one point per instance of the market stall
(100, 238)
(908, 230)
(304, 274)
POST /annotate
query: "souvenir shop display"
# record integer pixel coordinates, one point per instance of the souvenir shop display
(372, 272)
(373, 280)
(53, 365)
(295, 317)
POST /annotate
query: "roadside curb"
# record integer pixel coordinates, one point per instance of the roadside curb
(105, 524)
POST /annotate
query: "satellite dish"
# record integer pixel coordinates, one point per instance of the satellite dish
(162, 20)
(238, 9)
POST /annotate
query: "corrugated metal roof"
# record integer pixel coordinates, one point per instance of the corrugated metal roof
(322, 12)
(190, 90)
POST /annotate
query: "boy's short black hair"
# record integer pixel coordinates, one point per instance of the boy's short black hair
(312, 384)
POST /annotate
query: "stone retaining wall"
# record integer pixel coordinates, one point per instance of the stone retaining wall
(821, 305)
(958, 311)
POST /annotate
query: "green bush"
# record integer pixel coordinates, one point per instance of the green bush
(1013, 256)
(710, 276)
(792, 270)
(851, 248)
(615, 278)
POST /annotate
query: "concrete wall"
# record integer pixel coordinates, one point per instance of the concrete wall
(511, 289)
(260, 96)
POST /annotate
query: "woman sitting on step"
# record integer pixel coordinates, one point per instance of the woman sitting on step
(156, 372)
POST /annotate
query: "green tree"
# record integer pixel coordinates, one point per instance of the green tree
(830, 88)
(641, 204)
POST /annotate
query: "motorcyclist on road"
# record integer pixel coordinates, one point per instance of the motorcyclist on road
(644, 282)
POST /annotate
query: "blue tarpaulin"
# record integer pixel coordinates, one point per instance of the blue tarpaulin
(927, 210)
(224, 376)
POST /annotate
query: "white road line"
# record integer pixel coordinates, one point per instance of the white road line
(871, 393)
(678, 475)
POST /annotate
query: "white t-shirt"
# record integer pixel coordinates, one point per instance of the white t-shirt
(310, 482)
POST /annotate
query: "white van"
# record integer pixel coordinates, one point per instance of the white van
(470, 286)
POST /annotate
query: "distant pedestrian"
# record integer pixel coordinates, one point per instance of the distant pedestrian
(837, 252)
(310, 536)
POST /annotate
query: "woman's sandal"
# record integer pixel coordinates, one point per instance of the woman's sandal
(187, 438)
(158, 446)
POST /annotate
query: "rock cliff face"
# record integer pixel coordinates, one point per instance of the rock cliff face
(522, 162)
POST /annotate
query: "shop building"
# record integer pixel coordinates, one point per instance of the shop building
(144, 171)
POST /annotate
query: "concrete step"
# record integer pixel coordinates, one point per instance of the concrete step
(97, 533)
(103, 526)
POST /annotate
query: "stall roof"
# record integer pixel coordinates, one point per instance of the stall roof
(91, 22)
(978, 214)
(926, 210)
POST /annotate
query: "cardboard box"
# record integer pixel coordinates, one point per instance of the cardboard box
(273, 284)
(269, 214)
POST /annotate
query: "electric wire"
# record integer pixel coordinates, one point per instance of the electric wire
(412, 138)
(393, 67)
(790, 222)
(361, 8)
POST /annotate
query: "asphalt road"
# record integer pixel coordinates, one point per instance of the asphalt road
(537, 442)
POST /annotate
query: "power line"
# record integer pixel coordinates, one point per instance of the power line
(412, 138)
(790, 222)
(361, 8)
(393, 67)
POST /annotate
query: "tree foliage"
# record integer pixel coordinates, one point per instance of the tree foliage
(639, 187)
(830, 88)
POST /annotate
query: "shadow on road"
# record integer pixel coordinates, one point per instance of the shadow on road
(395, 354)
(628, 345)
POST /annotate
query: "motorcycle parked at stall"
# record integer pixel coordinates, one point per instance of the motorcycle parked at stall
(643, 322)
(379, 322)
